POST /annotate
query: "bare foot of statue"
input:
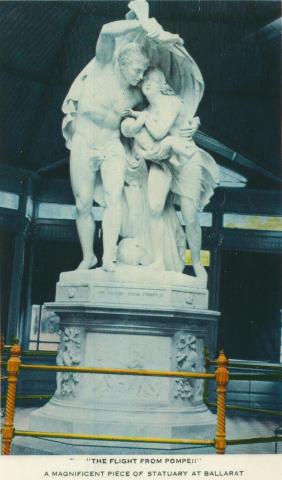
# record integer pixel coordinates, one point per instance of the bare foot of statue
(201, 273)
(157, 266)
(108, 266)
(86, 264)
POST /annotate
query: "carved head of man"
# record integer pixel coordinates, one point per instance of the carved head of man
(132, 63)
(154, 83)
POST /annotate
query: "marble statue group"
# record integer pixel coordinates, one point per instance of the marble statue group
(129, 124)
(129, 121)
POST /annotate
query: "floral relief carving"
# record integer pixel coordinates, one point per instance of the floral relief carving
(68, 355)
(187, 360)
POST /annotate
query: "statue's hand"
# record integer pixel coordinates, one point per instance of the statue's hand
(128, 112)
(189, 132)
(138, 9)
(151, 27)
(140, 117)
(155, 31)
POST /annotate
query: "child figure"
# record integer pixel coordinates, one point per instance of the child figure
(156, 130)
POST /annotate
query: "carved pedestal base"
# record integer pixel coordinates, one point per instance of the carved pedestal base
(147, 338)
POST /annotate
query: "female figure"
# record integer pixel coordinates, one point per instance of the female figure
(178, 165)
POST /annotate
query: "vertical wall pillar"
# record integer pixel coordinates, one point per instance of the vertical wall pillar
(216, 258)
(28, 304)
(281, 336)
(17, 270)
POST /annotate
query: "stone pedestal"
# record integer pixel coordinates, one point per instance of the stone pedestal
(149, 321)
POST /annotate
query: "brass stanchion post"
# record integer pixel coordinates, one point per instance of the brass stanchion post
(13, 371)
(222, 377)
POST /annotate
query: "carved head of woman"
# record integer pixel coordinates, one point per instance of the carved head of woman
(154, 83)
(132, 63)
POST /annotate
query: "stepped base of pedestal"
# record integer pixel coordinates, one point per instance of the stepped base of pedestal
(158, 422)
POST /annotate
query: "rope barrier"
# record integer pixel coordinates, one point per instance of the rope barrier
(14, 367)
(221, 375)
(118, 371)
(262, 411)
(254, 366)
(115, 438)
(255, 376)
(243, 441)
(30, 397)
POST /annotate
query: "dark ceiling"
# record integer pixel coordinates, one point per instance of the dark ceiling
(45, 44)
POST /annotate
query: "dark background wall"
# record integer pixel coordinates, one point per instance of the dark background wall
(7, 243)
(250, 302)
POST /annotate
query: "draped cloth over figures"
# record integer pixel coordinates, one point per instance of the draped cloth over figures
(196, 179)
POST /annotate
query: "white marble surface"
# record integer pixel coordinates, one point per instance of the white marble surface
(139, 182)
(126, 274)
(133, 287)
(129, 404)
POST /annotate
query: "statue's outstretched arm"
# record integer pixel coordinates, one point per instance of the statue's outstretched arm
(106, 42)
(110, 31)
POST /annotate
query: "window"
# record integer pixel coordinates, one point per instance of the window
(205, 258)
(252, 222)
(9, 200)
(44, 331)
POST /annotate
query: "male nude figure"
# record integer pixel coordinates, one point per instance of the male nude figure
(96, 144)
(93, 110)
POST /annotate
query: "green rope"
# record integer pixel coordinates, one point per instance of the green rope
(241, 441)
(248, 409)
